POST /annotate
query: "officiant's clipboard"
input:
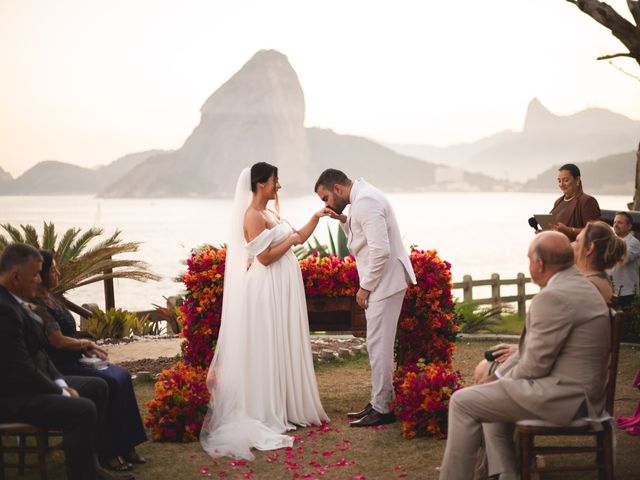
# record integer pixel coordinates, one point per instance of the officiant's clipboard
(544, 220)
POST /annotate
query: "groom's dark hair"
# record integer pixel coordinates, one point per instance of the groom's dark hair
(331, 177)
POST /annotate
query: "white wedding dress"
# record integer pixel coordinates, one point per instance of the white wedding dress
(261, 379)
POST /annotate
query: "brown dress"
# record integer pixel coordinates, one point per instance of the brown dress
(577, 212)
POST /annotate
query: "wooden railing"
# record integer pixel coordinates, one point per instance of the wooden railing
(496, 299)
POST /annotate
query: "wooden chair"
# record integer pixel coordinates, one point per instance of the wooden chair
(22, 431)
(527, 430)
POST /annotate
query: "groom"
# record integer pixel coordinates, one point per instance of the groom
(373, 237)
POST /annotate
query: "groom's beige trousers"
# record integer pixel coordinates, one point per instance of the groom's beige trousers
(382, 323)
(471, 410)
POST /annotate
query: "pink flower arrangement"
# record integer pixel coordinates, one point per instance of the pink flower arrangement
(422, 398)
(180, 404)
(202, 308)
(426, 330)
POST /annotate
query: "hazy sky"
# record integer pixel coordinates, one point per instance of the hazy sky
(87, 81)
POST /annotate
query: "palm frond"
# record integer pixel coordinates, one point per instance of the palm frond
(332, 244)
(79, 245)
(80, 264)
(3, 243)
(62, 251)
(30, 235)
(14, 233)
(343, 250)
(49, 236)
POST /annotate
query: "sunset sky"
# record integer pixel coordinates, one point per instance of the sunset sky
(87, 81)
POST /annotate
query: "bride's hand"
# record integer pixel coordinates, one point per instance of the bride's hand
(335, 215)
(325, 212)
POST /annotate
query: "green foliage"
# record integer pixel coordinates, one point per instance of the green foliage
(79, 263)
(114, 323)
(630, 331)
(118, 323)
(171, 313)
(471, 318)
(337, 246)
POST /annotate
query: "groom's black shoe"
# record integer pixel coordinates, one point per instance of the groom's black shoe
(362, 413)
(374, 418)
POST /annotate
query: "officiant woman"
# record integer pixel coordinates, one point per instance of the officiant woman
(574, 209)
(125, 428)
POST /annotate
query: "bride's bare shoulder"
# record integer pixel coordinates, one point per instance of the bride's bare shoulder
(254, 223)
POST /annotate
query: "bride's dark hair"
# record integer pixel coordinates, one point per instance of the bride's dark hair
(262, 172)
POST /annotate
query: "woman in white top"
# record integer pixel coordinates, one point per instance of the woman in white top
(261, 377)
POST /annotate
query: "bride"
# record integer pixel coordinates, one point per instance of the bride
(261, 379)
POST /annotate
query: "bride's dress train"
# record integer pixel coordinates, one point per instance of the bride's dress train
(262, 378)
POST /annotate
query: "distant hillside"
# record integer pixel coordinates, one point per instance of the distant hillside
(58, 178)
(5, 177)
(614, 175)
(360, 157)
(545, 140)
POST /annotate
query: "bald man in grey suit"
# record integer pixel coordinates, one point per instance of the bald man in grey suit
(557, 375)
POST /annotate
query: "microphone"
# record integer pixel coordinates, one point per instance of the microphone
(533, 223)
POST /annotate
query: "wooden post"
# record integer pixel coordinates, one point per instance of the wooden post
(495, 289)
(109, 295)
(467, 288)
(522, 302)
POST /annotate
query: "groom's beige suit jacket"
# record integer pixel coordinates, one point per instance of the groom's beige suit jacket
(561, 365)
(373, 237)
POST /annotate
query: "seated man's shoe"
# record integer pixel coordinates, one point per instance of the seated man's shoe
(362, 413)
(104, 474)
(374, 418)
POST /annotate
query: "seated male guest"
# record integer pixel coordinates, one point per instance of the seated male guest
(31, 389)
(557, 375)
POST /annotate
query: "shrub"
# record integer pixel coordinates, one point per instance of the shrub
(422, 398)
(114, 323)
(180, 404)
(427, 329)
(630, 331)
(472, 318)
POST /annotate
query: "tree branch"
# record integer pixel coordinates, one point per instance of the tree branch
(607, 57)
(620, 27)
(625, 72)
(634, 8)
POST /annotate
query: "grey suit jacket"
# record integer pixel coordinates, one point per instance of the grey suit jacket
(373, 237)
(561, 365)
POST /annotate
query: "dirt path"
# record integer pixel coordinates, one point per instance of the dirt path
(144, 348)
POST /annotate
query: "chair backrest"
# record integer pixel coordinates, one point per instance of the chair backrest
(616, 317)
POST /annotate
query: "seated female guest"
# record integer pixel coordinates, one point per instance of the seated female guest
(596, 249)
(574, 209)
(124, 423)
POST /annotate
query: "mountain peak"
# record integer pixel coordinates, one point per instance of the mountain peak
(263, 86)
(537, 115)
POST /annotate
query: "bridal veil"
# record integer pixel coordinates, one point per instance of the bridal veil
(227, 429)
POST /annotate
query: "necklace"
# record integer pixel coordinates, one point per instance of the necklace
(570, 198)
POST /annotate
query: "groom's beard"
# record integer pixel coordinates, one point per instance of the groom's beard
(340, 205)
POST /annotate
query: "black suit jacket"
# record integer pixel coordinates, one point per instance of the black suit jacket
(25, 367)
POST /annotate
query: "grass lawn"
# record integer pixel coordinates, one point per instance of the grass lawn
(356, 453)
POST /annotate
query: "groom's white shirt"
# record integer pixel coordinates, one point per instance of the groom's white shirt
(373, 237)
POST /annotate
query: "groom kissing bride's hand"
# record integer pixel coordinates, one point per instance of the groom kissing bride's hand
(384, 269)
